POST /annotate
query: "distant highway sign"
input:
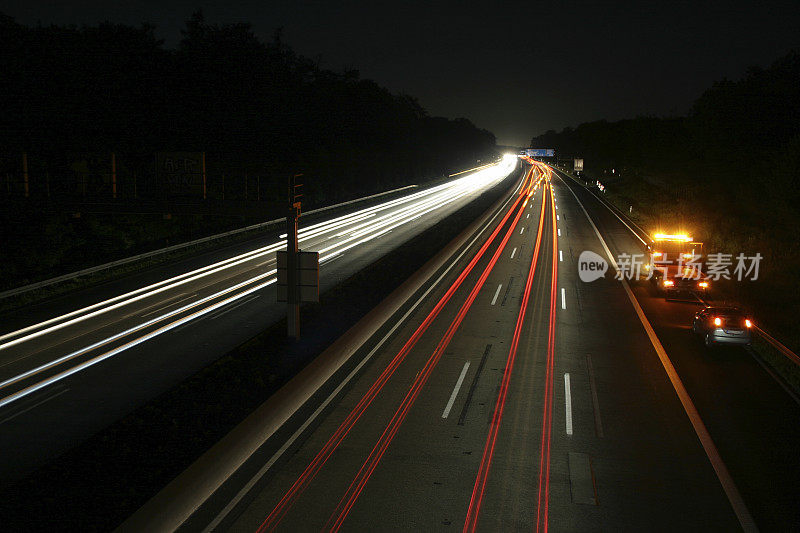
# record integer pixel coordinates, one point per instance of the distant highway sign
(541, 152)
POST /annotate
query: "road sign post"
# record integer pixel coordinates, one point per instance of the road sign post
(298, 272)
(293, 304)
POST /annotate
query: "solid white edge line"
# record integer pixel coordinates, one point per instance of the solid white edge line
(277, 455)
(568, 402)
(452, 399)
(723, 475)
(563, 299)
(496, 293)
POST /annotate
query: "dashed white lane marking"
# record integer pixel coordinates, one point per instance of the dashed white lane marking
(558, 217)
(568, 397)
(513, 253)
(455, 391)
(37, 404)
(560, 256)
(521, 230)
(563, 299)
(528, 215)
(559, 232)
(169, 304)
(496, 293)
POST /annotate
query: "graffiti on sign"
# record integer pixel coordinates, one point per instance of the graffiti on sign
(180, 173)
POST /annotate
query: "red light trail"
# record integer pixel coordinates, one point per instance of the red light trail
(356, 487)
(473, 511)
(543, 496)
(297, 488)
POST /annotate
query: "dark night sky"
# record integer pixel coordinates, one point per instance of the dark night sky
(516, 70)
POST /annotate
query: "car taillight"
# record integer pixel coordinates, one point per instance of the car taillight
(668, 283)
(748, 323)
(703, 284)
(717, 321)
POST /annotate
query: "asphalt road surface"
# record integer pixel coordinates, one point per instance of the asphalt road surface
(518, 397)
(72, 366)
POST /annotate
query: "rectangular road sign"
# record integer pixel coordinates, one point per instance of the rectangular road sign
(578, 165)
(541, 152)
(307, 274)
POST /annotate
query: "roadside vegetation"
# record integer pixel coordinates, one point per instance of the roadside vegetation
(259, 111)
(728, 173)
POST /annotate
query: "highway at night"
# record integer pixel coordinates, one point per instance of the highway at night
(514, 396)
(163, 325)
(374, 267)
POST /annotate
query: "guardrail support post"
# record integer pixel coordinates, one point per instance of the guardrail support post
(203, 169)
(113, 175)
(25, 172)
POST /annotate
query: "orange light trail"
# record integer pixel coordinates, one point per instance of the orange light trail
(543, 496)
(471, 522)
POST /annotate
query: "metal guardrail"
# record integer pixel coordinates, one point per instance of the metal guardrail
(91, 270)
(793, 357)
(139, 257)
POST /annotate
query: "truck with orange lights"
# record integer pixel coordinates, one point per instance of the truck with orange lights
(676, 266)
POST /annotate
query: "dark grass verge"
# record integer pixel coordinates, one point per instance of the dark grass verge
(97, 485)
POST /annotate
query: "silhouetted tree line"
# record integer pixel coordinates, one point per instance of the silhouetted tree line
(730, 170)
(740, 143)
(261, 112)
(251, 106)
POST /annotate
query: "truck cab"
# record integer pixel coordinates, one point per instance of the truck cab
(676, 266)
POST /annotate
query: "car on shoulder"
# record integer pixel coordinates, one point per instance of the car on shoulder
(722, 325)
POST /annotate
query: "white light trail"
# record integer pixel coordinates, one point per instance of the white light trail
(449, 193)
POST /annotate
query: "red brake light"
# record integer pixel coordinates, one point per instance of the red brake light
(717, 321)
(668, 283)
(748, 323)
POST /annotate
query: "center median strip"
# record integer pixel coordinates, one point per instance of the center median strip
(180, 498)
